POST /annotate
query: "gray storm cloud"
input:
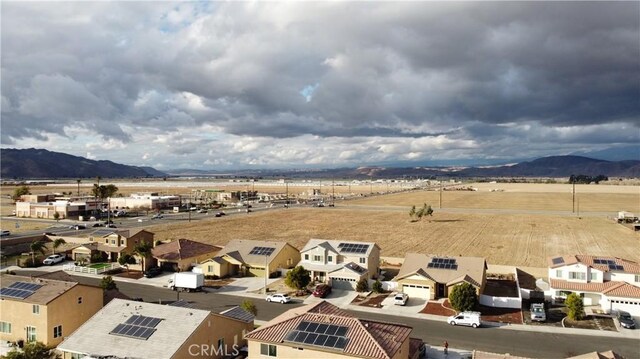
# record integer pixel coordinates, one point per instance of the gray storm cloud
(465, 72)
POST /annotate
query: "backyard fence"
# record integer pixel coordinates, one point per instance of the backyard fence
(82, 269)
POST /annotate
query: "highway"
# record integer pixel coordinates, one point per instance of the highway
(498, 340)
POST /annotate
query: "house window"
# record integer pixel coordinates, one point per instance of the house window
(106, 241)
(593, 276)
(637, 279)
(31, 334)
(36, 309)
(221, 344)
(113, 241)
(209, 269)
(317, 258)
(77, 356)
(268, 350)
(558, 273)
(363, 260)
(329, 258)
(306, 257)
(577, 275)
(79, 300)
(122, 242)
(57, 331)
(5, 327)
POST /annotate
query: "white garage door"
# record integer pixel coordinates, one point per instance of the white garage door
(417, 291)
(630, 306)
(343, 283)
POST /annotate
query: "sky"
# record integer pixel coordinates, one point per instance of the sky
(241, 85)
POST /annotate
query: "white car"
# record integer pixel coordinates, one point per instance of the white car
(53, 259)
(280, 298)
(400, 299)
(471, 319)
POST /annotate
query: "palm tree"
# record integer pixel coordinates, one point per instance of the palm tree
(78, 186)
(36, 246)
(143, 249)
(57, 243)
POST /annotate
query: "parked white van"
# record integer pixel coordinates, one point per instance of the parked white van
(471, 319)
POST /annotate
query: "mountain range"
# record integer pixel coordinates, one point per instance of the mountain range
(39, 163)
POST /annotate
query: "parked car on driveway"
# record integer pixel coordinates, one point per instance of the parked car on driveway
(537, 312)
(53, 259)
(400, 299)
(626, 320)
(152, 272)
(322, 290)
(471, 319)
(280, 298)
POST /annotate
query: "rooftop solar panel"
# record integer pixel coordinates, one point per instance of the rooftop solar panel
(262, 251)
(319, 334)
(557, 260)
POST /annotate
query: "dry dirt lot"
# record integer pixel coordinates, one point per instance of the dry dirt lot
(525, 240)
(552, 197)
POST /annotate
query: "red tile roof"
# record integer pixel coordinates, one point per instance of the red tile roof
(182, 249)
(612, 289)
(366, 339)
(629, 266)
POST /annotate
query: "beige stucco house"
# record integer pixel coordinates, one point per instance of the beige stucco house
(430, 277)
(44, 310)
(250, 258)
(114, 243)
(182, 254)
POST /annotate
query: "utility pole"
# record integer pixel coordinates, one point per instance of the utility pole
(189, 207)
(333, 192)
(266, 269)
(286, 184)
(440, 193)
(573, 210)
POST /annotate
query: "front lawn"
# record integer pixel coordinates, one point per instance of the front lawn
(98, 265)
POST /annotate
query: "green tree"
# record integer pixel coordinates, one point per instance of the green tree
(32, 350)
(20, 191)
(575, 306)
(107, 283)
(126, 259)
(56, 216)
(143, 249)
(463, 297)
(78, 180)
(57, 243)
(297, 278)
(37, 246)
(362, 285)
(412, 212)
(249, 307)
(377, 287)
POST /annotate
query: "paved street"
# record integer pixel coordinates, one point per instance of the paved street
(500, 340)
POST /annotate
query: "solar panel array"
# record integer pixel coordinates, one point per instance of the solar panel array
(138, 327)
(353, 248)
(322, 335)
(19, 290)
(615, 267)
(356, 267)
(443, 263)
(604, 261)
(262, 251)
(557, 260)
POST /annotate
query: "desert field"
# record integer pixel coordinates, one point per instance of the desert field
(525, 240)
(521, 196)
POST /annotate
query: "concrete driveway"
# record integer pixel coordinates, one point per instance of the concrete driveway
(339, 298)
(159, 281)
(413, 306)
(245, 284)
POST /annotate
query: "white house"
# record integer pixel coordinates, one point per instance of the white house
(340, 263)
(610, 282)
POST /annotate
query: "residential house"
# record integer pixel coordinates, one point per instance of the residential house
(130, 329)
(612, 283)
(110, 244)
(182, 254)
(250, 258)
(322, 330)
(430, 277)
(340, 263)
(44, 310)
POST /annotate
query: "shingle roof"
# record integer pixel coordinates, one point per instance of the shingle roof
(333, 246)
(365, 338)
(239, 314)
(183, 249)
(57, 275)
(128, 233)
(50, 289)
(588, 260)
(612, 288)
(470, 269)
(243, 247)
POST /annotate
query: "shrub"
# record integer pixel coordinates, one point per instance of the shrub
(297, 278)
(463, 297)
(248, 306)
(575, 306)
(377, 287)
(108, 283)
(363, 285)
